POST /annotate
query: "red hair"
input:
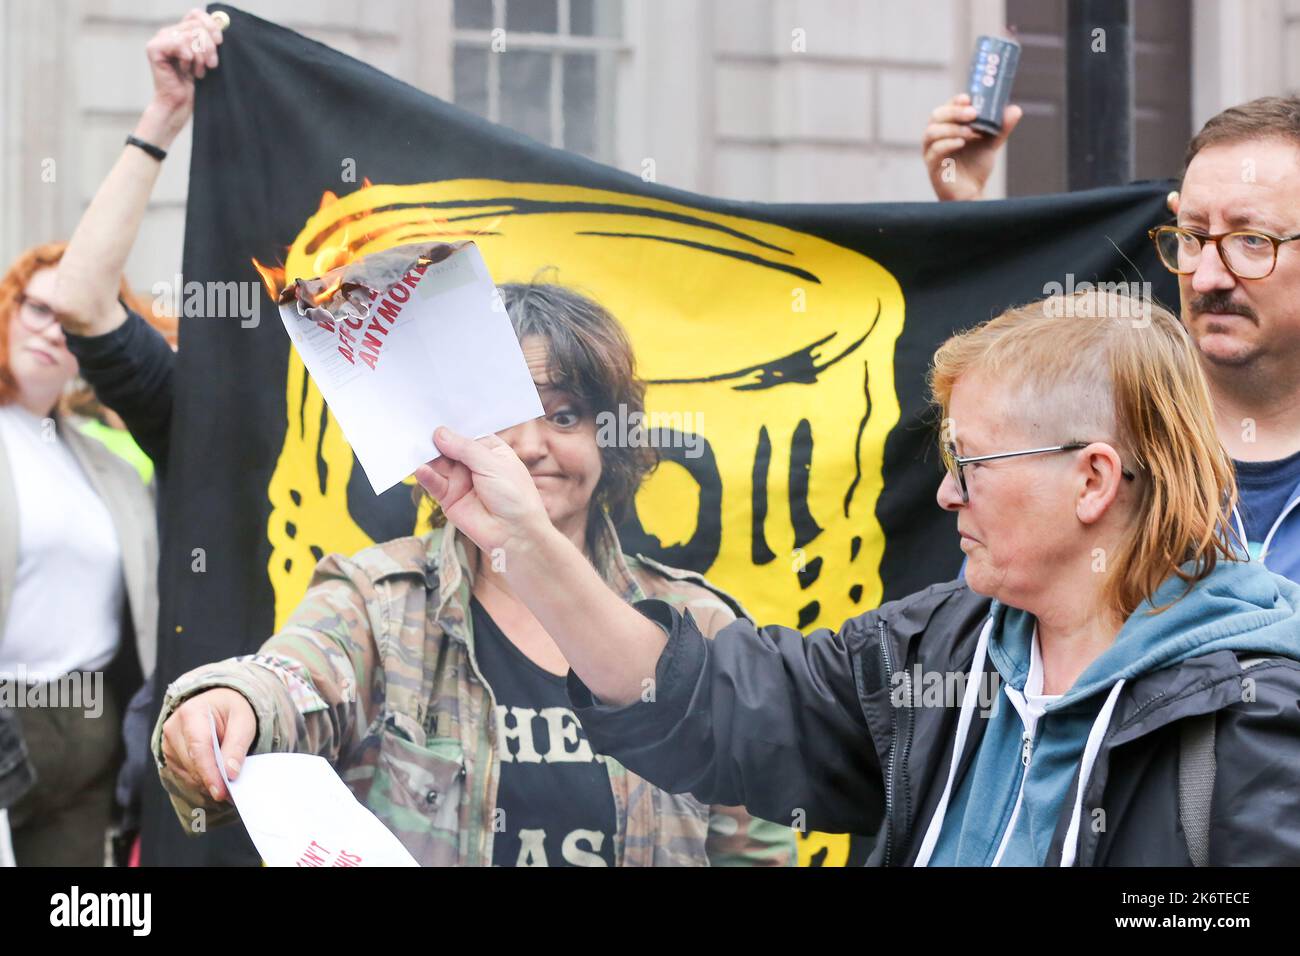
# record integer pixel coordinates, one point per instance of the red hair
(14, 281)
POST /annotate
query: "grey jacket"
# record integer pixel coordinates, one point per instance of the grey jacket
(130, 504)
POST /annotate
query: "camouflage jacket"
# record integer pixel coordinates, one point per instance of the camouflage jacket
(375, 672)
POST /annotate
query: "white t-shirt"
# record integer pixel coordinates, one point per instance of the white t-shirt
(66, 610)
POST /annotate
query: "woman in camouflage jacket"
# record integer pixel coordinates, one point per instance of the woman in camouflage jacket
(412, 668)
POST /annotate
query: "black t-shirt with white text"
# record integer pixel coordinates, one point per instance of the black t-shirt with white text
(554, 803)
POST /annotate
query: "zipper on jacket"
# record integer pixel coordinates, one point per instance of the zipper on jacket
(1027, 737)
(489, 805)
(887, 660)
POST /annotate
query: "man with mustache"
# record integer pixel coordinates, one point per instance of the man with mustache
(1238, 267)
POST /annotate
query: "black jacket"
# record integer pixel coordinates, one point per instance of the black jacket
(804, 731)
(132, 370)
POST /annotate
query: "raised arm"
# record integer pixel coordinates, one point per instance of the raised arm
(126, 360)
(959, 158)
(90, 274)
(91, 270)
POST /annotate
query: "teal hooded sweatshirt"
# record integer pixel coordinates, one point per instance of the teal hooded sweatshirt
(1241, 606)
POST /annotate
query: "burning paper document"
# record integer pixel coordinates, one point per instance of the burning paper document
(402, 341)
(299, 813)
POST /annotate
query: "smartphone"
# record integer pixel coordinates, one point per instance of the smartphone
(992, 71)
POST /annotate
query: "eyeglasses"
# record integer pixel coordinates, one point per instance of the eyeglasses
(955, 463)
(35, 315)
(1246, 253)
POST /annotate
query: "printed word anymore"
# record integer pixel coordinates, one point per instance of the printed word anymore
(374, 333)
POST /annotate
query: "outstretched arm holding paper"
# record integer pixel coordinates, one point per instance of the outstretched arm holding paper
(485, 490)
(759, 717)
(298, 694)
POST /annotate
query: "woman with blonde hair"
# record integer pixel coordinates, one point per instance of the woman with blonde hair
(1114, 682)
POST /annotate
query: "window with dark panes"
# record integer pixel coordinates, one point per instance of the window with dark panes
(543, 67)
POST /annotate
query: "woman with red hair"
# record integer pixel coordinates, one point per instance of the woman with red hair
(78, 598)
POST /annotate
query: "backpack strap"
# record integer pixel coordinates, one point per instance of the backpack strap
(1196, 771)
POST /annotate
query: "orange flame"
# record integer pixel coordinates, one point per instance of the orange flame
(339, 252)
(334, 254)
(272, 278)
(325, 294)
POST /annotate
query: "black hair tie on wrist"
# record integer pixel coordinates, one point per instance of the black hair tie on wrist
(157, 152)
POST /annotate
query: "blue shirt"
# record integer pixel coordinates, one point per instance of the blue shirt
(1266, 487)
